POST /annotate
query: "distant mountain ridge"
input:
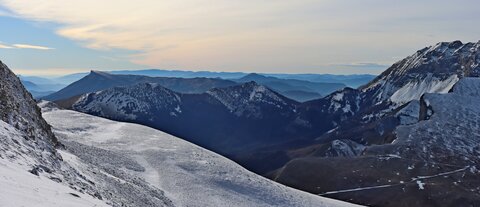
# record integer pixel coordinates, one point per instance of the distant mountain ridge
(353, 80)
(296, 88)
(97, 81)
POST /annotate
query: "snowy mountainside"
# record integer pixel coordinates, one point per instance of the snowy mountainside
(18, 109)
(451, 126)
(189, 175)
(143, 98)
(38, 172)
(20, 187)
(389, 102)
(27, 153)
(434, 69)
(245, 112)
(432, 161)
(246, 99)
(19, 184)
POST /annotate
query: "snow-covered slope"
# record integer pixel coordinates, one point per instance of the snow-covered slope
(433, 69)
(189, 175)
(450, 131)
(130, 102)
(31, 171)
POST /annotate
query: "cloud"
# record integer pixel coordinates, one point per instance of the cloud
(265, 36)
(2, 46)
(24, 46)
(35, 47)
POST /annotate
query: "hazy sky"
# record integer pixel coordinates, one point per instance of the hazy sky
(295, 36)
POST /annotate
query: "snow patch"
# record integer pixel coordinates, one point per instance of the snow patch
(414, 90)
(421, 185)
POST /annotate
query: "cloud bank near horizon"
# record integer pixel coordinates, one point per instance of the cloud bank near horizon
(24, 46)
(263, 36)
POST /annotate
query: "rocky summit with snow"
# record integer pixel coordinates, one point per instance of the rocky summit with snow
(433, 69)
(432, 162)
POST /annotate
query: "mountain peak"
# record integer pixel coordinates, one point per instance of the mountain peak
(255, 77)
(246, 98)
(250, 84)
(99, 73)
(131, 101)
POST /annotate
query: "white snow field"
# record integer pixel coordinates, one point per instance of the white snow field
(188, 175)
(18, 187)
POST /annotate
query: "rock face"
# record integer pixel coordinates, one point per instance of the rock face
(20, 113)
(18, 109)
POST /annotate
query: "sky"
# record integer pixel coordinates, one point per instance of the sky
(56, 37)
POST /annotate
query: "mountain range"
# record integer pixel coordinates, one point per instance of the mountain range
(406, 138)
(300, 87)
(352, 80)
(298, 90)
(76, 159)
(97, 81)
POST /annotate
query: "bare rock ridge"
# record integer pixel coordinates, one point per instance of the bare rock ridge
(18, 109)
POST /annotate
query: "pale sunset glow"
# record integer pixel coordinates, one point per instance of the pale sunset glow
(305, 36)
